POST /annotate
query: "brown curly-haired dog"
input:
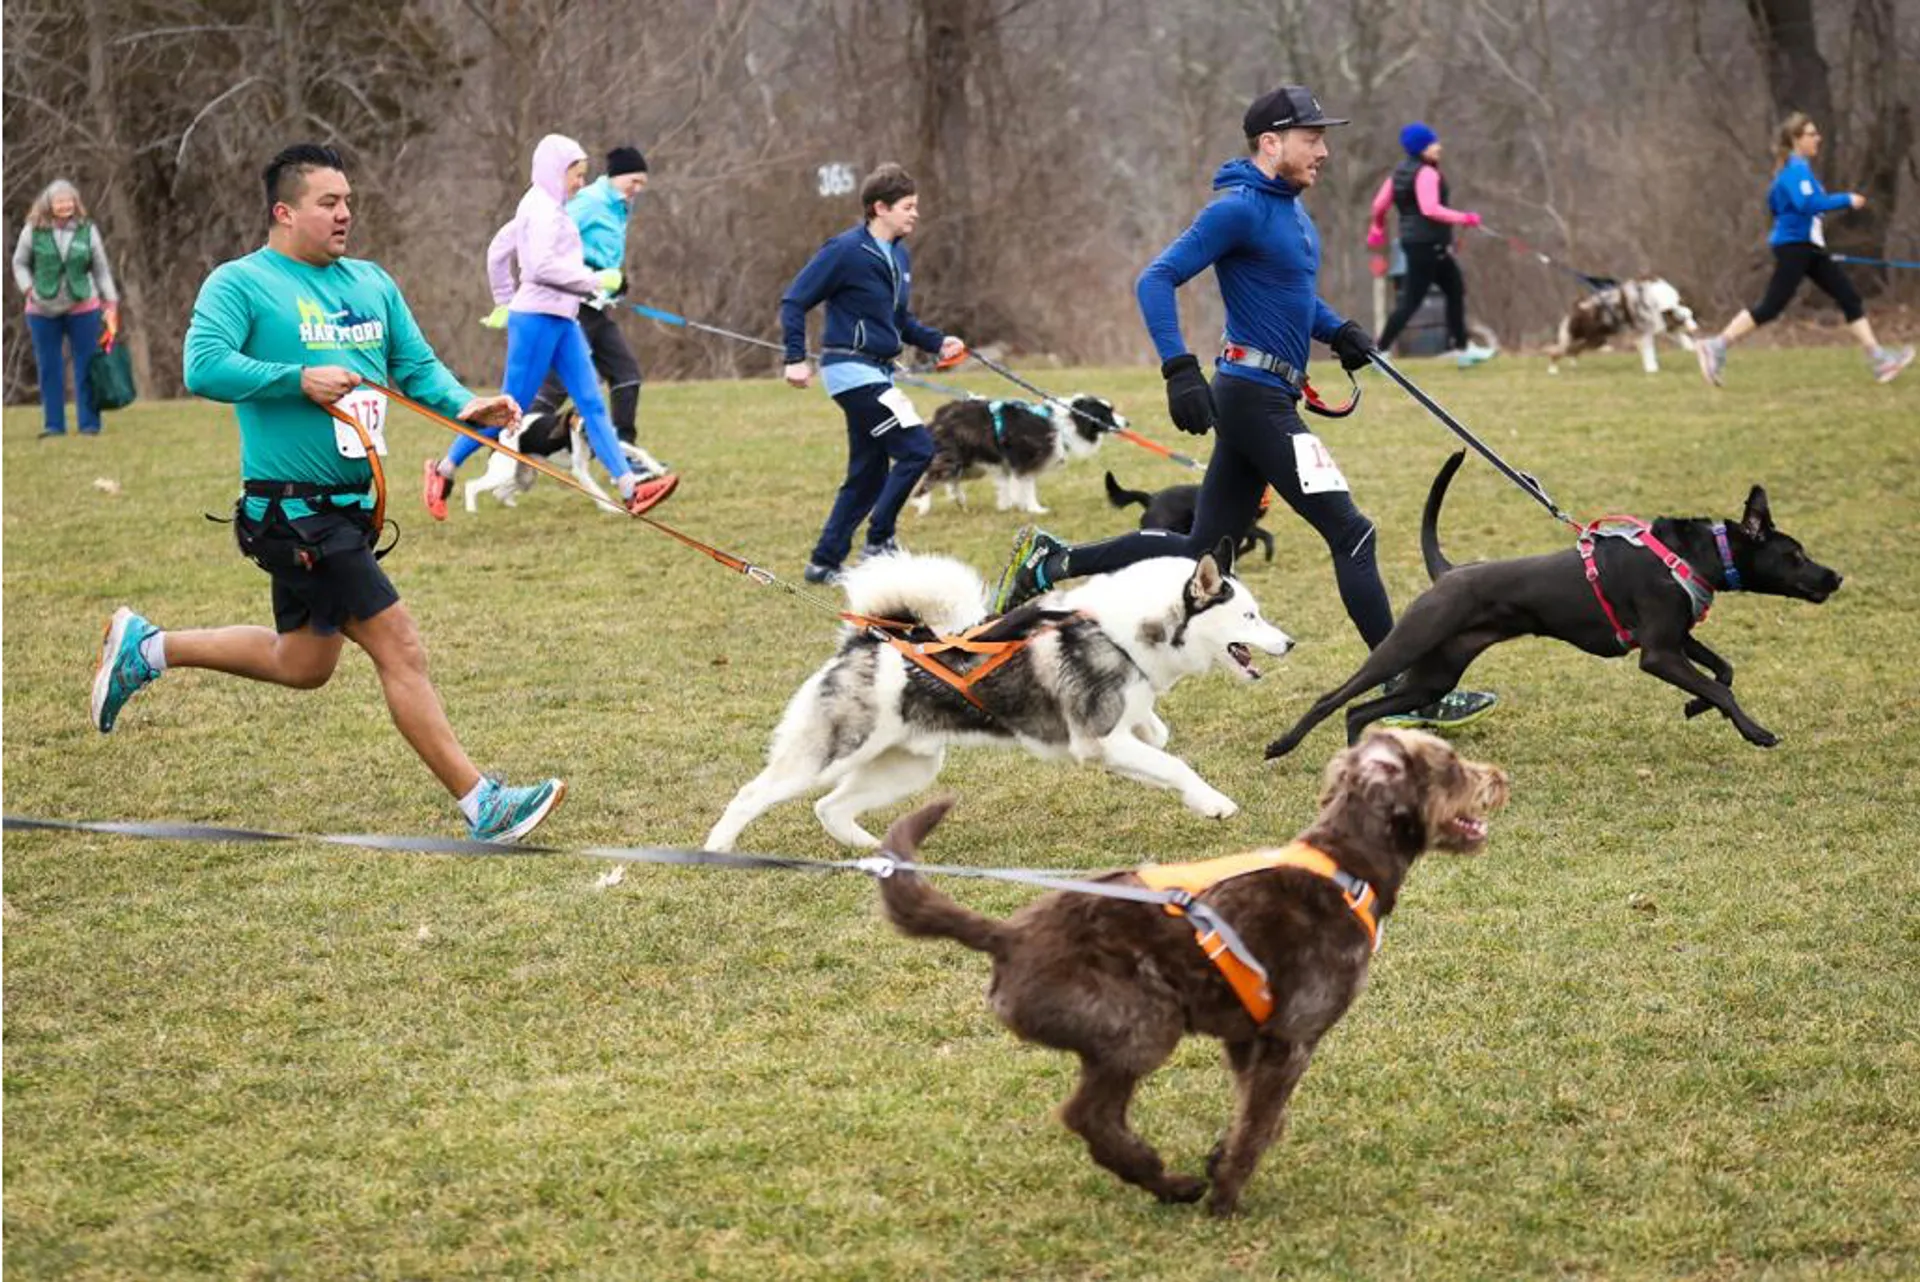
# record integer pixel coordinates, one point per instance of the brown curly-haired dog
(1119, 983)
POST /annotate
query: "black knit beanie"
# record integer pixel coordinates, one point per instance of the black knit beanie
(625, 160)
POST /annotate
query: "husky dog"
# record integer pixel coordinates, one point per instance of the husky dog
(559, 439)
(1644, 307)
(1016, 441)
(875, 727)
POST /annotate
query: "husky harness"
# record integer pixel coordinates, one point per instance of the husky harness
(1640, 534)
(922, 646)
(1246, 977)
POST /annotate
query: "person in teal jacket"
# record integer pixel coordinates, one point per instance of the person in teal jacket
(1799, 205)
(290, 335)
(601, 211)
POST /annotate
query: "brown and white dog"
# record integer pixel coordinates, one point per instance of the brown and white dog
(1119, 983)
(1016, 441)
(558, 439)
(1644, 307)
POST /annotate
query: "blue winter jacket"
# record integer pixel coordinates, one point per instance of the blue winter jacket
(866, 290)
(1796, 199)
(600, 213)
(1265, 253)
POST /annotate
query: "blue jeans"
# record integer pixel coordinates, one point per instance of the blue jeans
(536, 344)
(81, 332)
(884, 463)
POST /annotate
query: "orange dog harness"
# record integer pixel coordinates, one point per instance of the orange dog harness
(923, 654)
(1249, 980)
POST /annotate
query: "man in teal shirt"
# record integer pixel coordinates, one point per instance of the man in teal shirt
(601, 211)
(288, 335)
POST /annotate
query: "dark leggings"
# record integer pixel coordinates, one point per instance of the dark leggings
(1792, 264)
(1253, 448)
(1429, 265)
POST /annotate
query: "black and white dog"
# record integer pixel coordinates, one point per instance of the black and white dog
(1173, 508)
(874, 727)
(558, 439)
(1644, 307)
(1014, 440)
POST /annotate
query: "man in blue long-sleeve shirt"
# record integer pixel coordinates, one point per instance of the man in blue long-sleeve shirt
(865, 278)
(1265, 253)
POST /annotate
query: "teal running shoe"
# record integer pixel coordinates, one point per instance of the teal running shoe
(508, 814)
(123, 669)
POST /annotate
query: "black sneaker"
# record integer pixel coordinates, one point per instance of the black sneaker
(821, 574)
(1026, 574)
(1449, 712)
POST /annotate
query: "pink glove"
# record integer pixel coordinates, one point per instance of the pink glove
(1471, 220)
(1377, 264)
(1376, 238)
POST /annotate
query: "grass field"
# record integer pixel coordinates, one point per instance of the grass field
(1669, 1026)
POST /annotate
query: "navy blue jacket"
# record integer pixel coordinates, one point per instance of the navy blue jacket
(1265, 253)
(866, 293)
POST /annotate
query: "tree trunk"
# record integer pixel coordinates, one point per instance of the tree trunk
(951, 31)
(116, 196)
(1796, 73)
(1885, 143)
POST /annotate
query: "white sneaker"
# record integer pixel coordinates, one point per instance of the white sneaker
(1890, 361)
(1474, 354)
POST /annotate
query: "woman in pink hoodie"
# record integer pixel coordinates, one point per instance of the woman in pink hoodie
(543, 330)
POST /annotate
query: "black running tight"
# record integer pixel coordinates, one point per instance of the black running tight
(1254, 447)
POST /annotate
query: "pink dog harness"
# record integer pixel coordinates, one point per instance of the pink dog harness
(1640, 534)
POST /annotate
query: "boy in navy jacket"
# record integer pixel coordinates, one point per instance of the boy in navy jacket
(865, 278)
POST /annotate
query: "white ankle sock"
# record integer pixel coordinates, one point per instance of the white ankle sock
(470, 804)
(445, 468)
(154, 651)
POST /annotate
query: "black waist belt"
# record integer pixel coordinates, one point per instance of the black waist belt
(1253, 358)
(299, 490)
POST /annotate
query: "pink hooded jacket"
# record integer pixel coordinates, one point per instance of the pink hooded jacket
(542, 238)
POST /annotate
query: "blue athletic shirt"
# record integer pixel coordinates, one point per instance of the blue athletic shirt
(1265, 253)
(1796, 200)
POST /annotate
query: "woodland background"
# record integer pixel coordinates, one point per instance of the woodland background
(1058, 143)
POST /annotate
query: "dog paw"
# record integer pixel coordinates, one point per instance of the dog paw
(1221, 1207)
(1695, 707)
(1278, 749)
(1213, 806)
(1761, 737)
(1181, 1188)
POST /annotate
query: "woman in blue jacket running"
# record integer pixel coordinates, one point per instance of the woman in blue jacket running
(1798, 202)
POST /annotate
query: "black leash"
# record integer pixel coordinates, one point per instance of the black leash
(1518, 246)
(879, 866)
(1184, 460)
(1525, 481)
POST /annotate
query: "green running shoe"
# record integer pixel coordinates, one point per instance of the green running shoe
(1449, 712)
(123, 669)
(508, 814)
(1026, 574)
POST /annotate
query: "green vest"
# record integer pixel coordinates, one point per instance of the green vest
(48, 266)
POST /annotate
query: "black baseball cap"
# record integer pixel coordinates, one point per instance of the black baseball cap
(1288, 107)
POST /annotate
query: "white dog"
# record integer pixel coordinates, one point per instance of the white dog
(874, 727)
(559, 440)
(1644, 307)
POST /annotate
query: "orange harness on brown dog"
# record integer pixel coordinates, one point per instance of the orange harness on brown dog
(1249, 984)
(922, 653)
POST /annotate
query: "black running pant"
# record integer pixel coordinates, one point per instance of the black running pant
(1429, 265)
(1254, 448)
(613, 360)
(1794, 263)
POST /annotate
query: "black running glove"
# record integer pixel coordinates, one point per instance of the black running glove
(1353, 345)
(1189, 401)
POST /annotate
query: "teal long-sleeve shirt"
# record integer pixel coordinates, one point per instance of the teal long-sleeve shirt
(601, 213)
(261, 319)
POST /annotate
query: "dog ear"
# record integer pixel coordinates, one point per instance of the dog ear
(1206, 586)
(1758, 521)
(1223, 554)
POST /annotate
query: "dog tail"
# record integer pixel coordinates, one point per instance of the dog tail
(1120, 496)
(936, 591)
(914, 907)
(1437, 563)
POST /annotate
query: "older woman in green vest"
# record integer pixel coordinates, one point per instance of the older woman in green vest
(60, 264)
